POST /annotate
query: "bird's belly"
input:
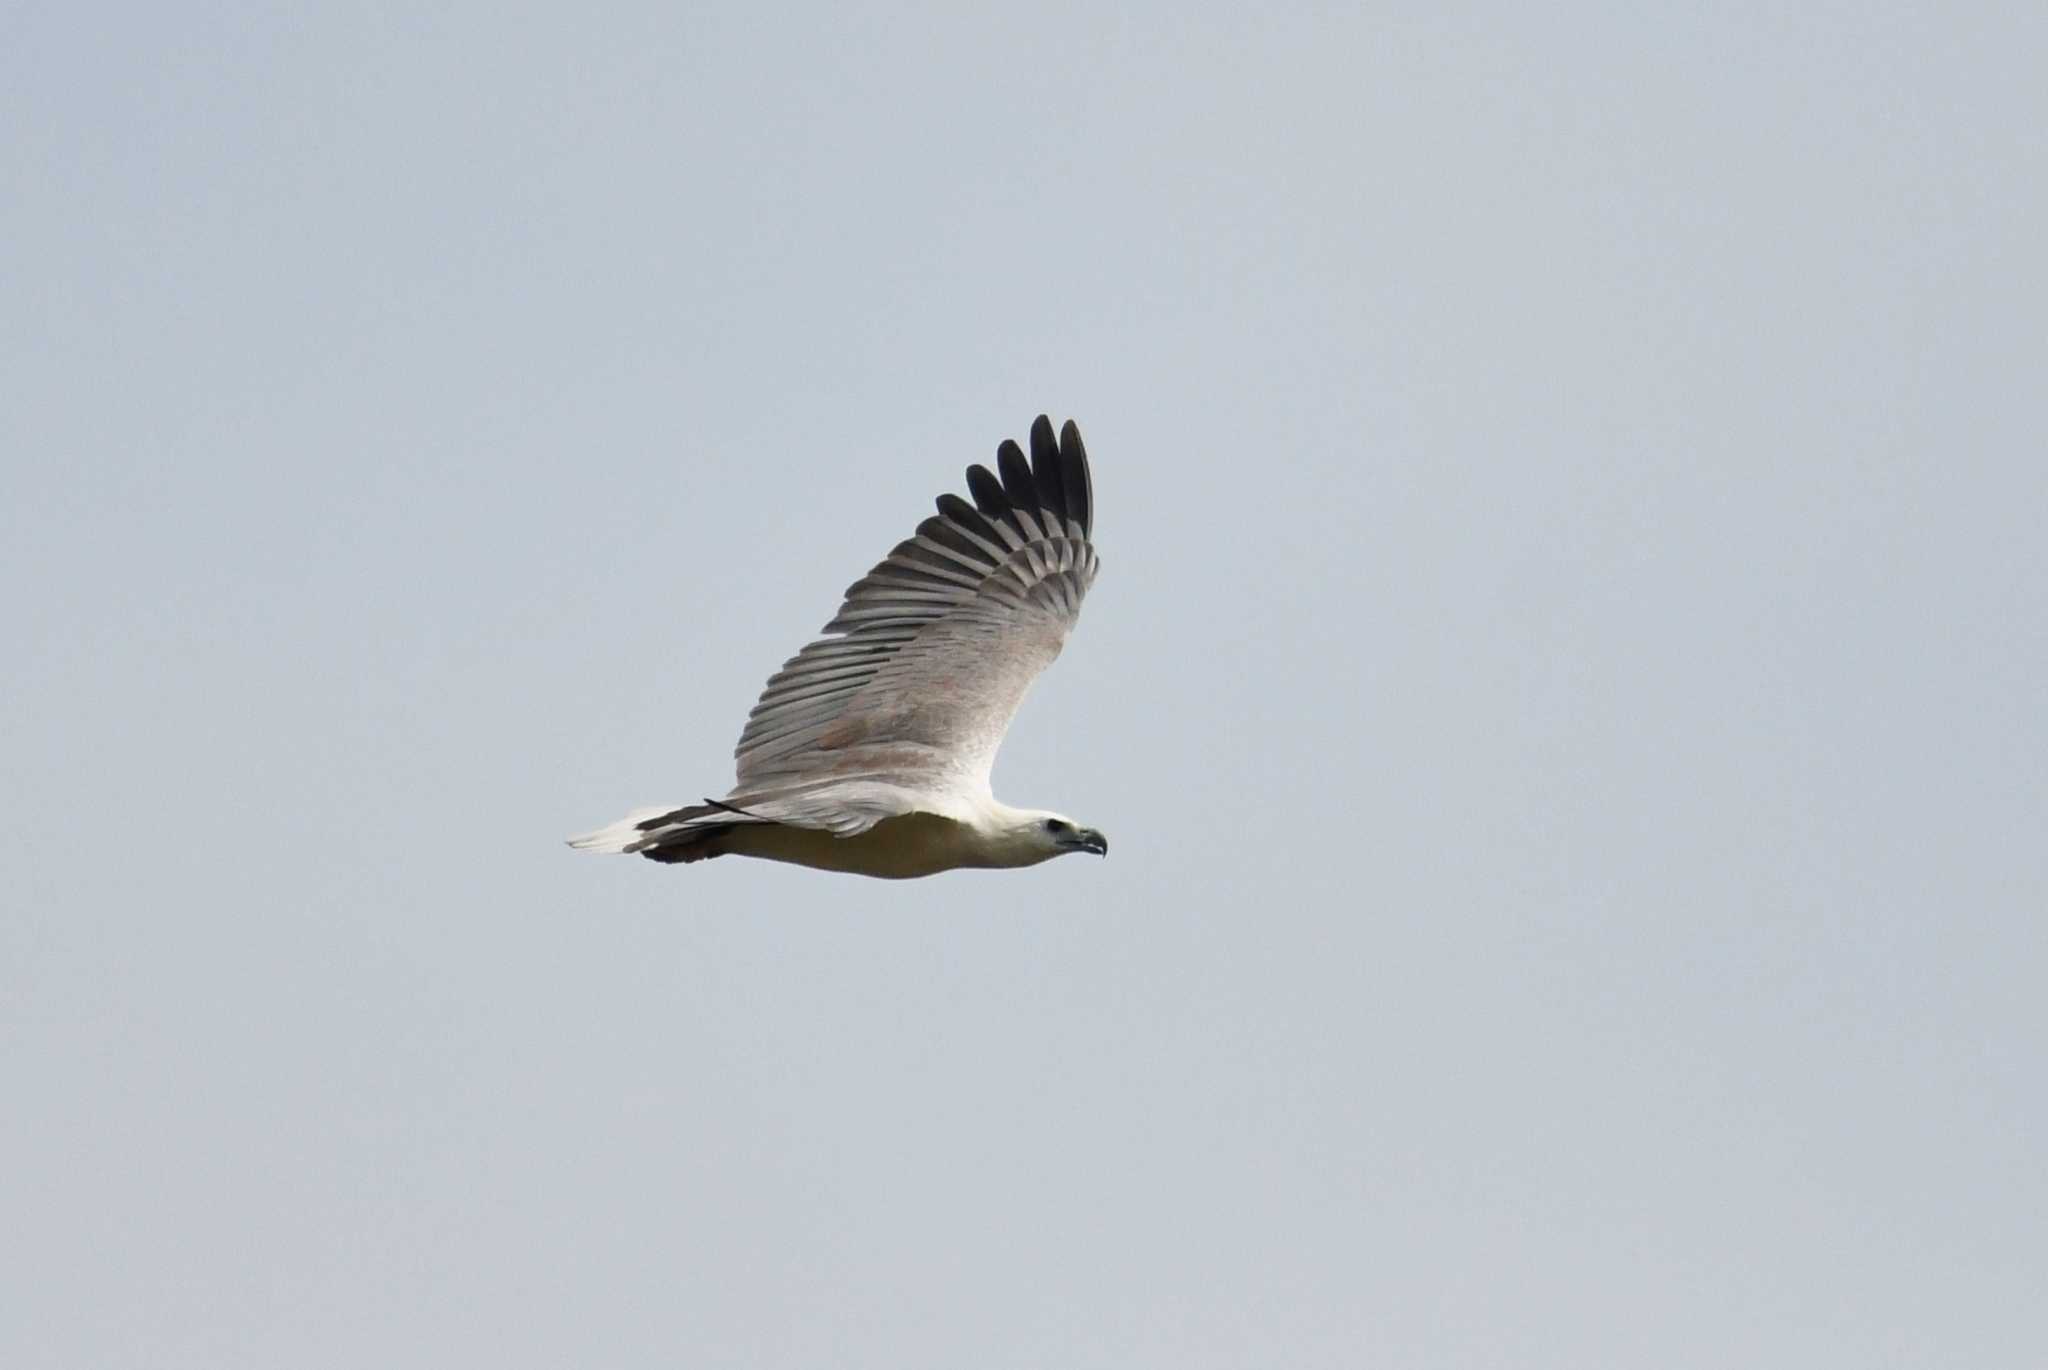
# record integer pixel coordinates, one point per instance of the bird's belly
(894, 849)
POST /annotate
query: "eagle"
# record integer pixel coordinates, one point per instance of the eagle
(869, 752)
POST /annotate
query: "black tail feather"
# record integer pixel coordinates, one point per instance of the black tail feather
(697, 843)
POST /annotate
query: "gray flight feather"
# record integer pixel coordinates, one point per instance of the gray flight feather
(909, 691)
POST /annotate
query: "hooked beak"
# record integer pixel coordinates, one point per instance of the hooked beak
(1090, 840)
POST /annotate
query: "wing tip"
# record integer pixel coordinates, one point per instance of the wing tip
(1075, 478)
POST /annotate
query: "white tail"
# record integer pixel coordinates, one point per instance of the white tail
(617, 837)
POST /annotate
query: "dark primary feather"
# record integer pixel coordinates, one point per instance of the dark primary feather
(1045, 472)
(987, 491)
(1021, 490)
(1080, 490)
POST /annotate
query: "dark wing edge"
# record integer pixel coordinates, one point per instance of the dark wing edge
(1023, 507)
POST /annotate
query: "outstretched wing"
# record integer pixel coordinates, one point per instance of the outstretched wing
(915, 680)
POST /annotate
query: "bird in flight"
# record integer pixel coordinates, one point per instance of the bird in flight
(870, 750)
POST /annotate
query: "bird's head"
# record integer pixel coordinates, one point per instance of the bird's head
(1056, 835)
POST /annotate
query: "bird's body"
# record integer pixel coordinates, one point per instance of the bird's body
(899, 848)
(870, 750)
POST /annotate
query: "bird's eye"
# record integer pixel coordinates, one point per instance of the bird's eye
(1054, 825)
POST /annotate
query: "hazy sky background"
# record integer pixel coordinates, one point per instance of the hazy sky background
(1565, 689)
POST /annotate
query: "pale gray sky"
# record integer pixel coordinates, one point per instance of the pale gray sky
(1564, 690)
